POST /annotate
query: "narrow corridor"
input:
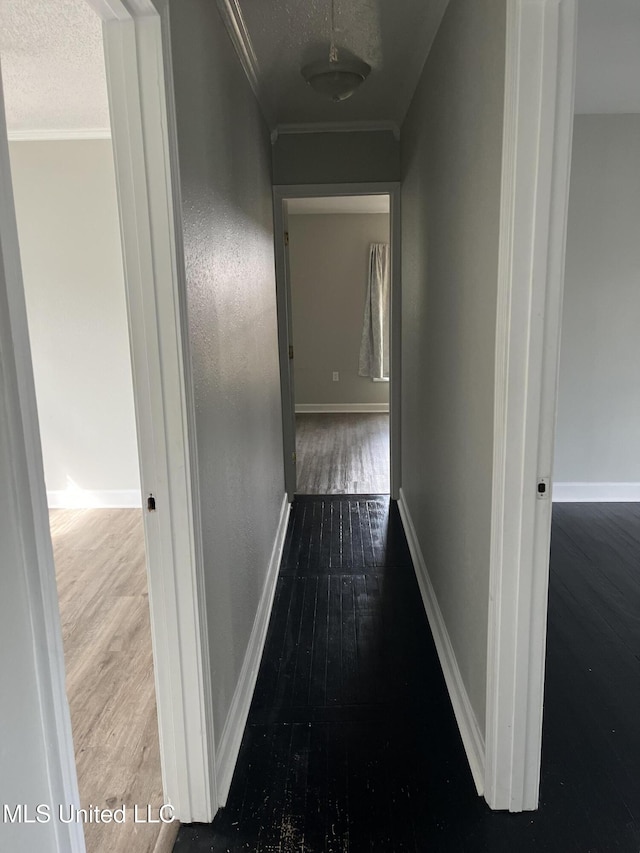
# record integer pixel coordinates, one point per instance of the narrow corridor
(351, 731)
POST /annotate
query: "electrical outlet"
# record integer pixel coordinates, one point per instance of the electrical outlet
(336, 376)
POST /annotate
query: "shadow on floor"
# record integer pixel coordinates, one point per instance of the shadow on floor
(351, 743)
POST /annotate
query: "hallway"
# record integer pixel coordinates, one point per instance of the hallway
(336, 754)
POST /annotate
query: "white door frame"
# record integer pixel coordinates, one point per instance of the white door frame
(538, 124)
(27, 564)
(286, 191)
(140, 84)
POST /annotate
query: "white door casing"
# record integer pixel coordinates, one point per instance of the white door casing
(137, 52)
(538, 123)
(280, 193)
(139, 78)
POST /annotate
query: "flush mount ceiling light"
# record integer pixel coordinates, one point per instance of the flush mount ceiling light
(334, 78)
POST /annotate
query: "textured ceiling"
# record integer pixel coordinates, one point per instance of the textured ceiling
(52, 66)
(339, 204)
(608, 61)
(54, 80)
(393, 36)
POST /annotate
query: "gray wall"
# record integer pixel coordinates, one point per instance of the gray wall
(225, 173)
(599, 397)
(329, 267)
(68, 225)
(334, 158)
(451, 166)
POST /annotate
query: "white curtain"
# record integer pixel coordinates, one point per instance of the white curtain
(374, 347)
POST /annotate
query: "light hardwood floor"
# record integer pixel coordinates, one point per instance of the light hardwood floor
(342, 454)
(104, 609)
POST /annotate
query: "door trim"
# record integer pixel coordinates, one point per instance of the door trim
(140, 86)
(283, 288)
(538, 122)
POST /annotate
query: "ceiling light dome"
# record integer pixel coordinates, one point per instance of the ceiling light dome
(334, 78)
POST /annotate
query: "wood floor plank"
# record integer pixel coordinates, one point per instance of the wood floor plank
(292, 826)
(304, 652)
(317, 811)
(104, 611)
(320, 640)
(345, 453)
(374, 761)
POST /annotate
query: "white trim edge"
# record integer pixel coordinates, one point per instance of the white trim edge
(58, 135)
(329, 408)
(470, 732)
(234, 22)
(538, 122)
(338, 127)
(288, 191)
(231, 738)
(139, 75)
(596, 492)
(94, 499)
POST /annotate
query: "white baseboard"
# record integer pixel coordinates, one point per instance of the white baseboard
(94, 499)
(231, 737)
(472, 737)
(329, 408)
(596, 492)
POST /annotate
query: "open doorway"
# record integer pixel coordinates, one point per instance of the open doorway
(337, 287)
(64, 187)
(339, 271)
(592, 689)
(140, 81)
(68, 229)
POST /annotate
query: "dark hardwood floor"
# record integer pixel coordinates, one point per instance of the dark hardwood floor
(351, 743)
(345, 453)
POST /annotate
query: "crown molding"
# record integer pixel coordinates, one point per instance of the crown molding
(337, 127)
(57, 135)
(239, 34)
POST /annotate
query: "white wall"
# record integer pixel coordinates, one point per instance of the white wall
(225, 175)
(451, 169)
(329, 269)
(68, 225)
(598, 422)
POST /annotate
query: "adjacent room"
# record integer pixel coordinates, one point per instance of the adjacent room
(339, 265)
(593, 672)
(67, 214)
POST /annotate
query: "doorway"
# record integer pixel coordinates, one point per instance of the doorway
(64, 188)
(593, 633)
(338, 289)
(139, 73)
